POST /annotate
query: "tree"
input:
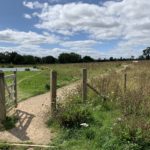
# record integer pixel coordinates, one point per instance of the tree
(141, 57)
(18, 59)
(38, 60)
(146, 53)
(69, 58)
(111, 58)
(49, 60)
(29, 59)
(87, 59)
(132, 57)
(12, 56)
(2, 58)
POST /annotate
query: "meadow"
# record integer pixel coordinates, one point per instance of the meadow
(117, 118)
(34, 83)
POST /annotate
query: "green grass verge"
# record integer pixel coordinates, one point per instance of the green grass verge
(34, 83)
(101, 131)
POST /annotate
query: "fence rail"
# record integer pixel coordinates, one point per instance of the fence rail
(10, 76)
(11, 91)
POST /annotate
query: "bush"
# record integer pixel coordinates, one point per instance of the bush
(35, 67)
(47, 86)
(72, 116)
(27, 69)
(4, 146)
(10, 66)
(90, 134)
(130, 129)
(10, 122)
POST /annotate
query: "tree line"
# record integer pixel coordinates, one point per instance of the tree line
(15, 58)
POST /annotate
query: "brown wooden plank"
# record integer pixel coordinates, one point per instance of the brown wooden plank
(12, 76)
(2, 98)
(84, 85)
(53, 86)
(15, 88)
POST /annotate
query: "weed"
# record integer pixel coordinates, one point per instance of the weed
(10, 122)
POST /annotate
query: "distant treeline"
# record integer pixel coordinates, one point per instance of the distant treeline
(15, 58)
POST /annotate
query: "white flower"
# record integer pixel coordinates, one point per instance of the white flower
(114, 124)
(119, 119)
(84, 124)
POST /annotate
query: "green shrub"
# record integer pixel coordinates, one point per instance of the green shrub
(133, 130)
(4, 147)
(10, 122)
(47, 86)
(34, 67)
(72, 116)
(90, 134)
(10, 66)
(27, 69)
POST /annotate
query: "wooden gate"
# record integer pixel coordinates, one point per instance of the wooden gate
(11, 90)
(8, 93)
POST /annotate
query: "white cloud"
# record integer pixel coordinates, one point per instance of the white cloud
(83, 52)
(34, 5)
(29, 43)
(127, 20)
(79, 44)
(26, 38)
(27, 16)
(90, 18)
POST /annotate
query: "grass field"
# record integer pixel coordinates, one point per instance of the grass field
(34, 83)
(115, 119)
(118, 119)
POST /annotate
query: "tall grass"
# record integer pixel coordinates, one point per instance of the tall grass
(120, 118)
(34, 83)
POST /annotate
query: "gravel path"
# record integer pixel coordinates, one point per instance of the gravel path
(33, 113)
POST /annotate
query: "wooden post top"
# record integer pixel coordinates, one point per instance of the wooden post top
(53, 71)
(84, 68)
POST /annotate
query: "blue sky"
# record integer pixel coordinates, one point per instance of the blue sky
(99, 28)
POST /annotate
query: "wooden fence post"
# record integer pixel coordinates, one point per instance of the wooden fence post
(53, 86)
(2, 98)
(84, 85)
(15, 88)
(125, 82)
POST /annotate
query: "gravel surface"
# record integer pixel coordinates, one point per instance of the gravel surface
(33, 114)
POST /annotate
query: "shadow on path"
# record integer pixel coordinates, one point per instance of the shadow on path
(24, 120)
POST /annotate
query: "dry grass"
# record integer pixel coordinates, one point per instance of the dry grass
(120, 117)
(133, 103)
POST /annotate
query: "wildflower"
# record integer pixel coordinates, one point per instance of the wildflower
(114, 124)
(119, 119)
(84, 125)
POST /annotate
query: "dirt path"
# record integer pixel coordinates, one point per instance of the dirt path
(33, 114)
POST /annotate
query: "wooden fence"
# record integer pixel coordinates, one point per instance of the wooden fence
(8, 93)
(53, 85)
